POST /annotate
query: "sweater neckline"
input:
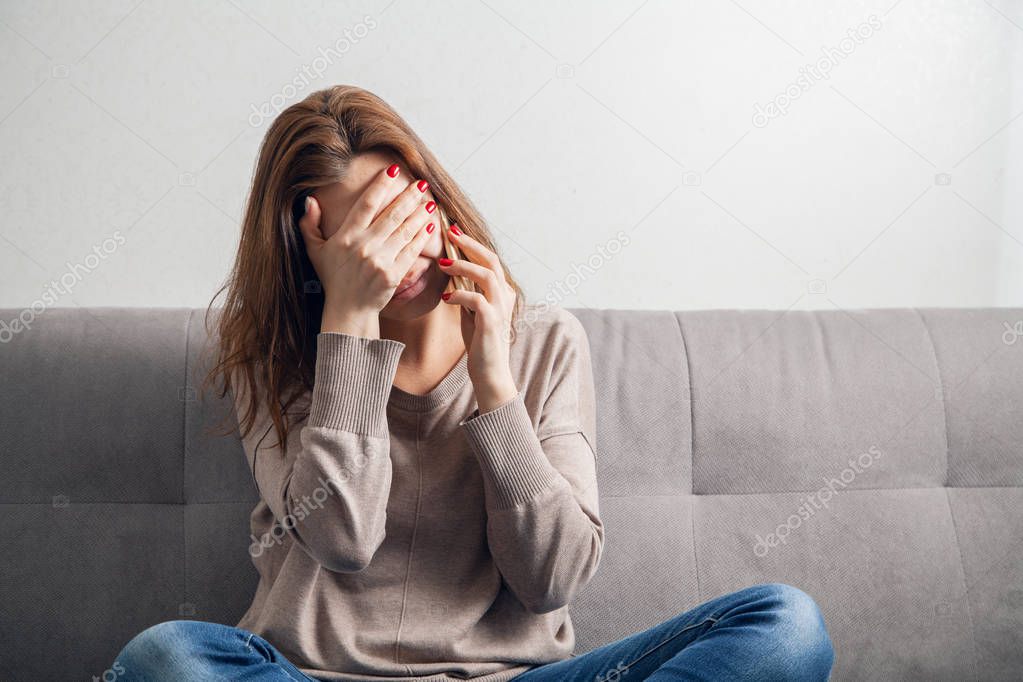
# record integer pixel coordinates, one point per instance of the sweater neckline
(439, 395)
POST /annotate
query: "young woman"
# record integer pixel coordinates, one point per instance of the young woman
(425, 459)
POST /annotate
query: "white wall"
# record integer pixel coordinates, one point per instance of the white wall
(578, 128)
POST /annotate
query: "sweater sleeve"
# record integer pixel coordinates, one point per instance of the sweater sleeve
(540, 486)
(329, 490)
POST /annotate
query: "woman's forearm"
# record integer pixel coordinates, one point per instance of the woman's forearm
(330, 493)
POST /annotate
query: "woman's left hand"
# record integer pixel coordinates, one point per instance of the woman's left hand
(487, 330)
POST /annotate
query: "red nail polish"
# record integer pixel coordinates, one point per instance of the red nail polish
(393, 170)
(430, 206)
(422, 185)
(429, 229)
(455, 230)
(446, 295)
(444, 261)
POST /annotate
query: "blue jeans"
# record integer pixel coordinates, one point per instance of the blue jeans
(765, 632)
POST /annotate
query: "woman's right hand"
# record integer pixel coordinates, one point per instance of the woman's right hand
(362, 263)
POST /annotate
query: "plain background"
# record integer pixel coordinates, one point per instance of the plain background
(612, 145)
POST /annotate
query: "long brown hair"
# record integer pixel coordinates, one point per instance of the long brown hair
(266, 331)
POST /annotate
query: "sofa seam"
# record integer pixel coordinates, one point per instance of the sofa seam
(692, 415)
(696, 560)
(608, 496)
(962, 566)
(134, 502)
(948, 499)
(184, 411)
(692, 451)
(184, 464)
(941, 388)
(805, 491)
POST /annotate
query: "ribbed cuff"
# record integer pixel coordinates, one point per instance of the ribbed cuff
(354, 375)
(514, 465)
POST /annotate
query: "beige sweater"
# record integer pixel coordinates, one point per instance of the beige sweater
(408, 537)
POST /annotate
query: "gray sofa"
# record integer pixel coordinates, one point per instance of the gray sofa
(872, 458)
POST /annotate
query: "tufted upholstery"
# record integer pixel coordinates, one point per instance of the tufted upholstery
(872, 458)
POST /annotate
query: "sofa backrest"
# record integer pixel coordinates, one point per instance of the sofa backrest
(873, 458)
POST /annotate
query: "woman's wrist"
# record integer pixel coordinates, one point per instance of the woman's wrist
(494, 395)
(362, 324)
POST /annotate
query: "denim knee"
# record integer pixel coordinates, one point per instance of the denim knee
(162, 651)
(802, 640)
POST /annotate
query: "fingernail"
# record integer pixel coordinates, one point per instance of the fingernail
(422, 185)
(429, 229)
(430, 206)
(446, 295)
(455, 230)
(445, 261)
(393, 170)
(308, 204)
